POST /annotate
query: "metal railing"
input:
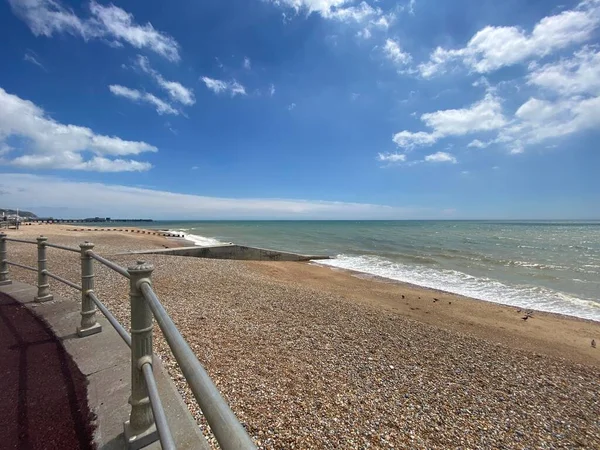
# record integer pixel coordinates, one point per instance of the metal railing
(147, 421)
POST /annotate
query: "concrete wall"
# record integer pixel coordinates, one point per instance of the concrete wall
(232, 251)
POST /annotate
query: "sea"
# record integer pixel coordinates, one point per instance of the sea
(549, 266)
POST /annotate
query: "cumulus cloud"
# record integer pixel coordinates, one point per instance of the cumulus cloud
(111, 23)
(62, 197)
(494, 47)
(247, 63)
(347, 11)
(539, 120)
(219, 86)
(484, 115)
(394, 53)
(476, 143)
(391, 157)
(579, 74)
(176, 91)
(48, 144)
(439, 157)
(134, 95)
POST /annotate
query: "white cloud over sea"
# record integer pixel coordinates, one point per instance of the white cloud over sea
(72, 199)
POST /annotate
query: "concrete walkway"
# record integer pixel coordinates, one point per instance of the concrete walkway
(104, 359)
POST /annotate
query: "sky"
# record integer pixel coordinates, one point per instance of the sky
(301, 109)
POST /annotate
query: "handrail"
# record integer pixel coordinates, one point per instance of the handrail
(24, 241)
(164, 433)
(22, 266)
(229, 432)
(63, 247)
(109, 264)
(62, 280)
(113, 321)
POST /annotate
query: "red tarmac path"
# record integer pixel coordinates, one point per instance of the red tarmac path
(43, 395)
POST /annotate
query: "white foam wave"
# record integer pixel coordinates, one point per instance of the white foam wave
(201, 241)
(524, 296)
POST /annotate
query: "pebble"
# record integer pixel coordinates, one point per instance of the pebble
(310, 370)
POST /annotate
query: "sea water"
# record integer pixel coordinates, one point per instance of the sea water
(548, 266)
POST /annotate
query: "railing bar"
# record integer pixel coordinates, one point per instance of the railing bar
(229, 432)
(62, 280)
(20, 240)
(22, 266)
(63, 247)
(113, 321)
(164, 432)
(110, 264)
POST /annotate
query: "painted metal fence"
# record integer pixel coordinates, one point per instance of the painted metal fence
(147, 421)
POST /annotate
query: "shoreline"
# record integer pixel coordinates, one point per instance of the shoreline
(381, 279)
(186, 241)
(191, 242)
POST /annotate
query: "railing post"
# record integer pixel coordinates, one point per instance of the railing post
(43, 294)
(4, 275)
(88, 325)
(140, 429)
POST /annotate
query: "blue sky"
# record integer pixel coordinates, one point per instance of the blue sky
(301, 108)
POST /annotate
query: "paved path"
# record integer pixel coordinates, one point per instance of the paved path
(43, 395)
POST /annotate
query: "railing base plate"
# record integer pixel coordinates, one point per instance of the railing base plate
(136, 441)
(83, 332)
(45, 298)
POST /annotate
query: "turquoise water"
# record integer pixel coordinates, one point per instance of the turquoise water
(550, 266)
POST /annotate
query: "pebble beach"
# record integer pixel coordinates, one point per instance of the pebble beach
(311, 358)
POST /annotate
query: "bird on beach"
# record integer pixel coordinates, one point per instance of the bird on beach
(525, 318)
(435, 299)
(593, 343)
(402, 296)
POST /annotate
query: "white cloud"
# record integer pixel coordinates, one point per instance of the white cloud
(323, 7)
(494, 47)
(347, 11)
(31, 57)
(272, 90)
(394, 53)
(354, 13)
(383, 22)
(365, 33)
(48, 144)
(391, 157)
(247, 63)
(291, 106)
(218, 86)
(175, 90)
(476, 143)
(47, 17)
(161, 106)
(77, 199)
(440, 157)
(538, 120)
(570, 76)
(485, 115)
(236, 88)
(411, 7)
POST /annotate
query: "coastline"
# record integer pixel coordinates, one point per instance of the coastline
(310, 356)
